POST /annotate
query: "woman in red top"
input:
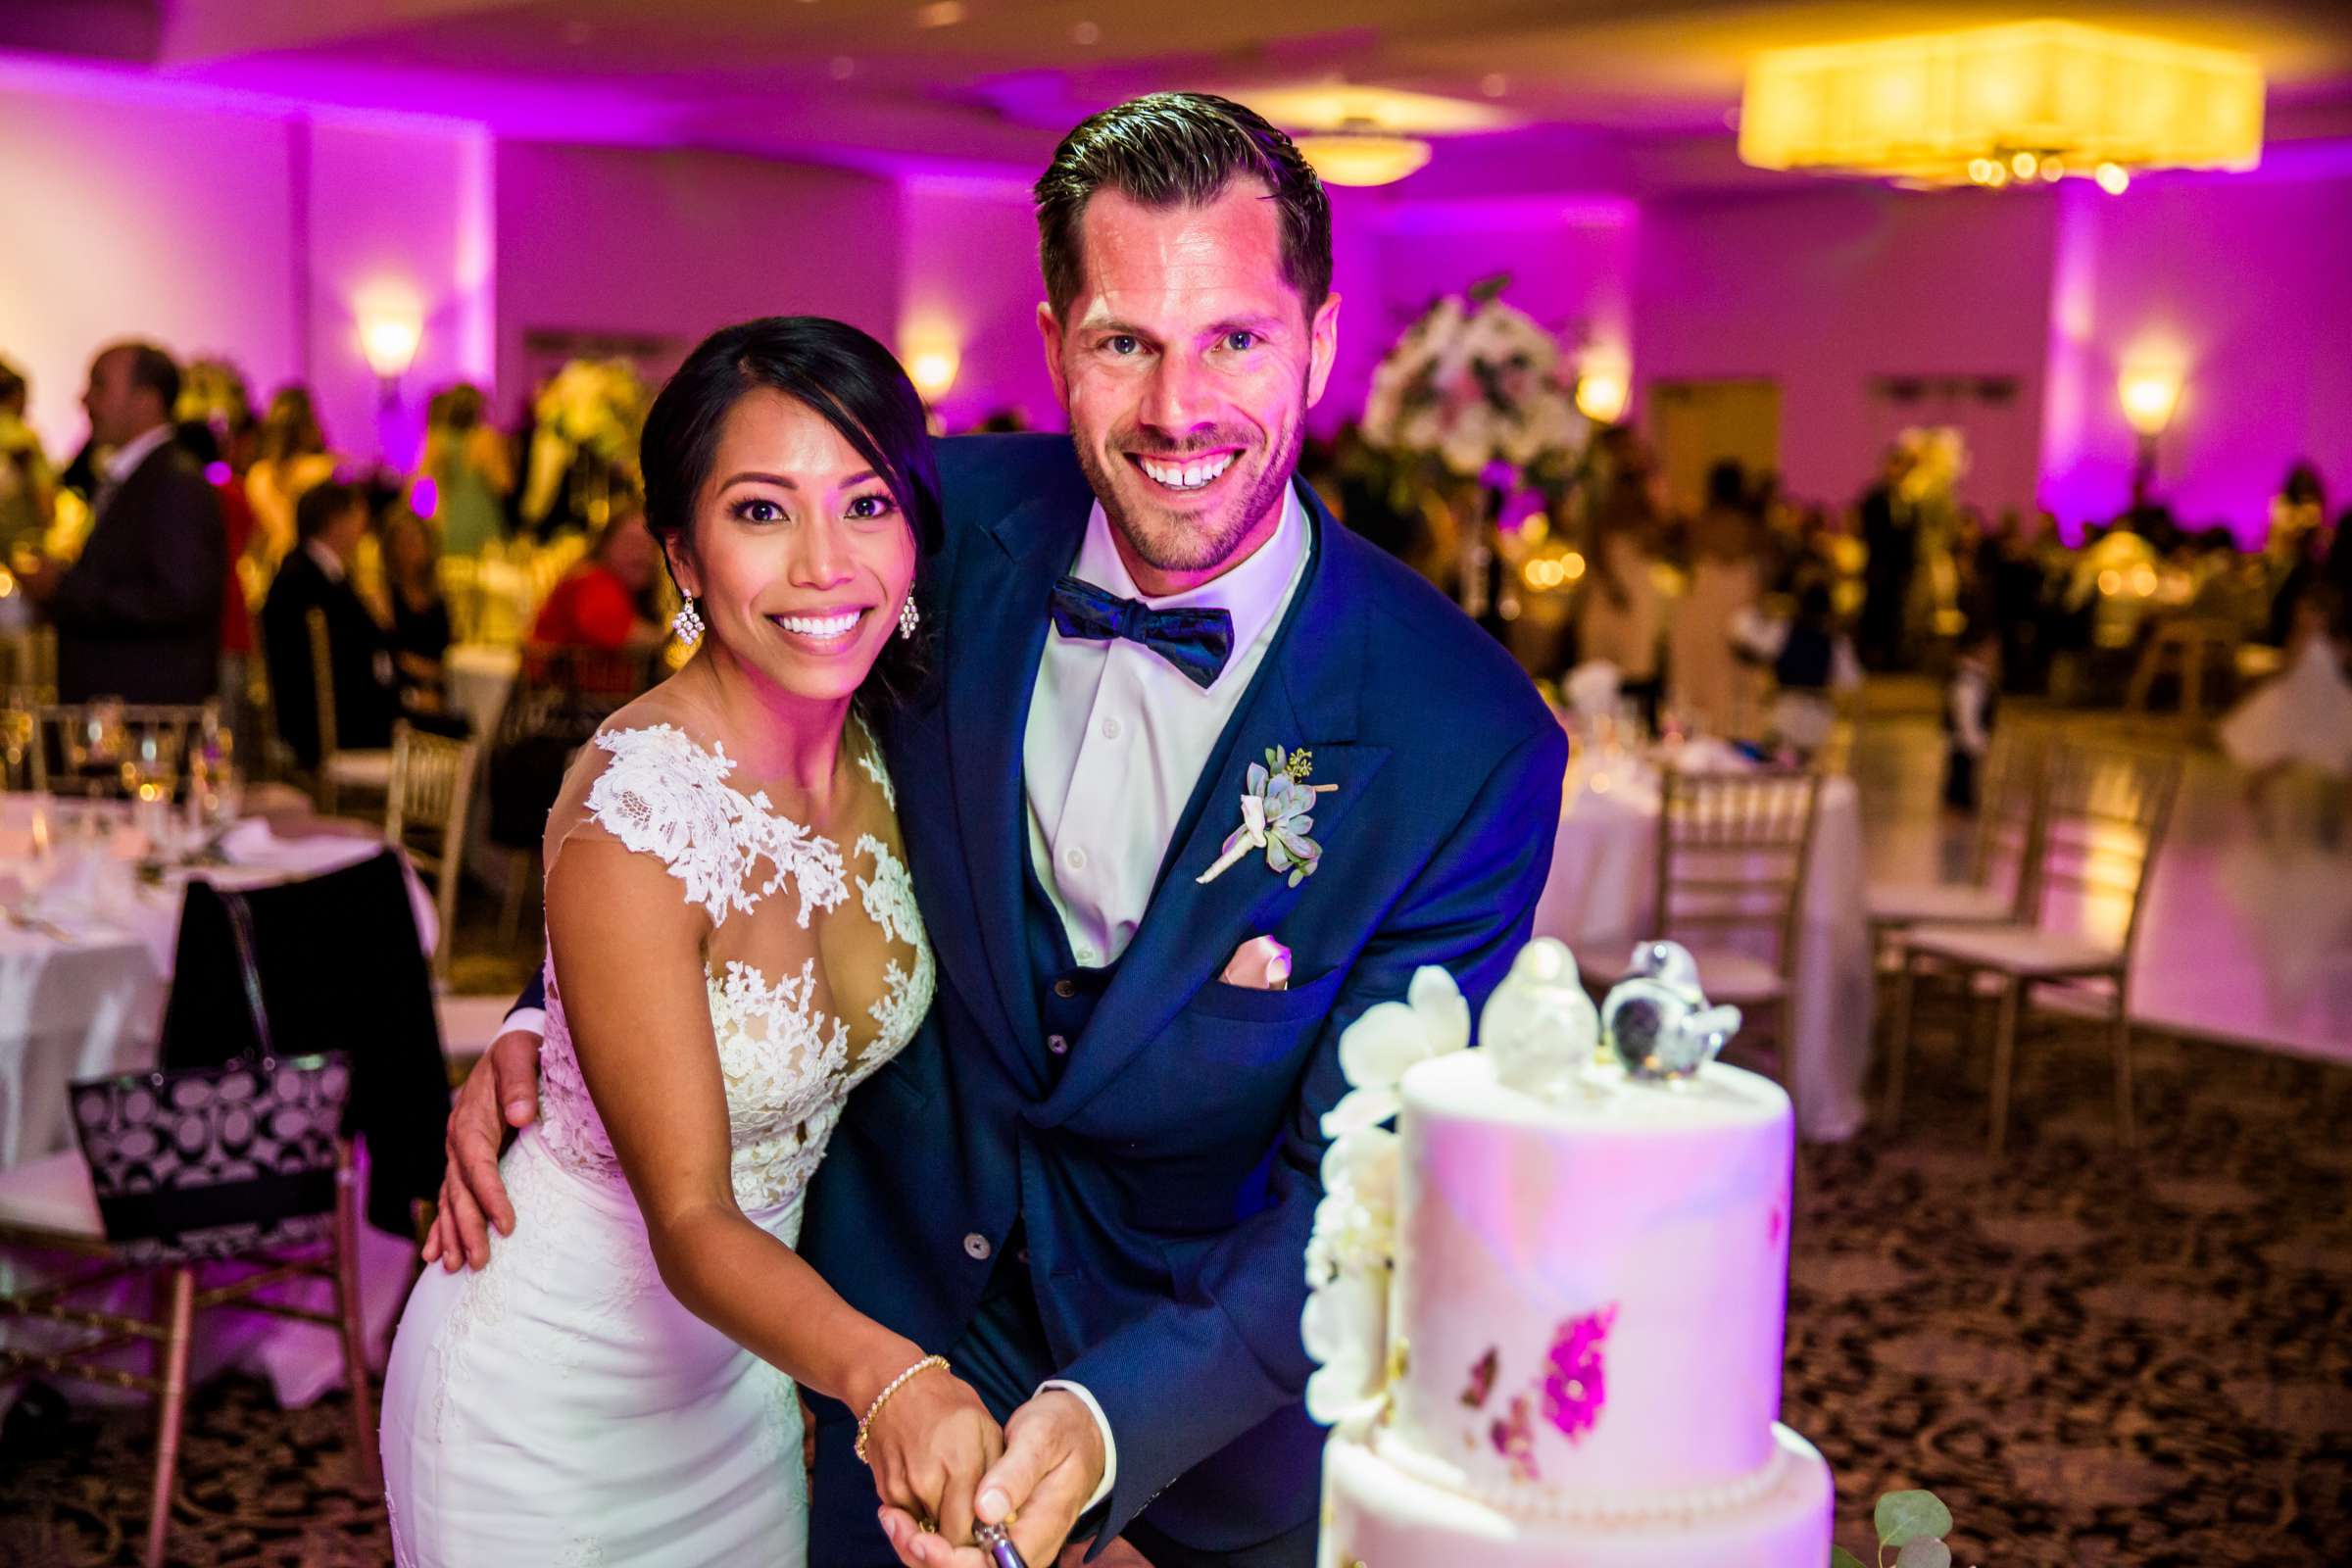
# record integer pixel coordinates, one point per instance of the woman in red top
(600, 602)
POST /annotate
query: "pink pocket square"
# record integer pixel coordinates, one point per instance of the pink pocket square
(1260, 963)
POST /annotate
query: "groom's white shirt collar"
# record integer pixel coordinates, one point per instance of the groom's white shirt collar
(1254, 593)
(1117, 736)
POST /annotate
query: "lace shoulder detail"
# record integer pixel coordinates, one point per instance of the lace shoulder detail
(869, 761)
(889, 900)
(665, 794)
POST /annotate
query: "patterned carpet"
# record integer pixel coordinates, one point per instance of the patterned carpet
(2093, 1357)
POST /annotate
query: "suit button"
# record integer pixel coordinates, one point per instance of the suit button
(1058, 1045)
(1066, 989)
(977, 1248)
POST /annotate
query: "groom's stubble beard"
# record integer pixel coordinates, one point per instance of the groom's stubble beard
(1175, 543)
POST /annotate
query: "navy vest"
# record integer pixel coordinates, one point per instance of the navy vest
(1066, 992)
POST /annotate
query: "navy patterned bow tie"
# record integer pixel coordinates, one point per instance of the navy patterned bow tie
(1198, 642)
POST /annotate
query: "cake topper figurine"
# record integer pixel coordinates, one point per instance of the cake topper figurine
(1659, 1021)
(1539, 1026)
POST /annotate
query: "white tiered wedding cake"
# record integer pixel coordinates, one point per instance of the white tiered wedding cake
(1549, 1307)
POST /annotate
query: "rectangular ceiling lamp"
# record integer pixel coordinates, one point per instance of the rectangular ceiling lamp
(1941, 108)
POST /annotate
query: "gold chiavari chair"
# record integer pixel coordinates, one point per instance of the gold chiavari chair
(23, 764)
(424, 814)
(278, 1191)
(1732, 853)
(28, 665)
(107, 747)
(1999, 851)
(340, 772)
(2099, 829)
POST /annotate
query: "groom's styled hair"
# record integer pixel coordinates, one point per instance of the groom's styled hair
(1180, 148)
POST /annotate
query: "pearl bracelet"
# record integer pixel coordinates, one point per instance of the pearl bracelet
(865, 1422)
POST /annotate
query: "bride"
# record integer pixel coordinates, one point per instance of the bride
(733, 945)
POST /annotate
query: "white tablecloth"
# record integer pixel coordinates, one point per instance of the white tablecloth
(1603, 882)
(479, 677)
(90, 1002)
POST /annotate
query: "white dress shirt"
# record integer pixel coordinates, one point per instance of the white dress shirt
(1117, 736)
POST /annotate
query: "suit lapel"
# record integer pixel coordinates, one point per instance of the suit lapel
(1304, 694)
(998, 634)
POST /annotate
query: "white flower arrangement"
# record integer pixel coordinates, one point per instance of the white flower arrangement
(1474, 382)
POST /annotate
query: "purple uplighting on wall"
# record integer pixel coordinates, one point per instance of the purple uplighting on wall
(247, 208)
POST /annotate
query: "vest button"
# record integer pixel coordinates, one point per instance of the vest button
(1065, 988)
(1058, 1045)
(977, 1246)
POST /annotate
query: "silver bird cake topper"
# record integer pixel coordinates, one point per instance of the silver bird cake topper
(1659, 1021)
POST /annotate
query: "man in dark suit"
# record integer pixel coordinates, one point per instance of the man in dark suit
(329, 522)
(1090, 1178)
(138, 615)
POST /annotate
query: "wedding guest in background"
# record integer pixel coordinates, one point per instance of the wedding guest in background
(1969, 701)
(603, 602)
(1727, 545)
(1816, 664)
(329, 522)
(1890, 532)
(471, 469)
(2303, 714)
(1623, 612)
(138, 614)
(197, 439)
(291, 458)
(27, 485)
(416, 610)
(2297, 510)
(2305, 571)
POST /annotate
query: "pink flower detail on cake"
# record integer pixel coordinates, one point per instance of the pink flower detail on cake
(1514, 1438)
(1481, 1380)
(1574, 1383)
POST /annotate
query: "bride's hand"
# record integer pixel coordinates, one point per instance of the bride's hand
(929, 1446)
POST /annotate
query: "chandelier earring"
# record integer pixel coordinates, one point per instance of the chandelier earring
(909, 617)
(687, 623)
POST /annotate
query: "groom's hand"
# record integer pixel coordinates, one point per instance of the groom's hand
(502, 1092)
(1053, 1461)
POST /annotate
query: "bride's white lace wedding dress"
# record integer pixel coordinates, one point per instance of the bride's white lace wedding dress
(560, 1406)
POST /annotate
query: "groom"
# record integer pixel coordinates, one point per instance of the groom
(1090, 1179)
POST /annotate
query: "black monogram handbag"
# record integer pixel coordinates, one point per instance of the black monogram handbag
(218, 1160)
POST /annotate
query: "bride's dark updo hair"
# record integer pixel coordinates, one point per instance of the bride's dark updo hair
(852, 382)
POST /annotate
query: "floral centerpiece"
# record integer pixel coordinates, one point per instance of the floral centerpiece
(1474, 383)
(586, 422)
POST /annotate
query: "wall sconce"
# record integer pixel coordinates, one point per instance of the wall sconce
(932, 360)
(2150, 395)
(1603, 384)
(388, 340)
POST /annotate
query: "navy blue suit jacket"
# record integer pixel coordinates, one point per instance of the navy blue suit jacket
(1166, 1181)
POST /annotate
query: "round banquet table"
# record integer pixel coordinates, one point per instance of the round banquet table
(1603, 883)
(479, 677)
(81, 995)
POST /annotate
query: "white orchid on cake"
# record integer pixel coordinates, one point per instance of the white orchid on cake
(1472, 382)
(1540, 1027)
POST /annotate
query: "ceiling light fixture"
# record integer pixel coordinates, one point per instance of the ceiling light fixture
(1363, 157)
(1358, 136)
(2000, 105)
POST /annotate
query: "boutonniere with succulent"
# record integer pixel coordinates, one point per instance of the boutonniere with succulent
(1277, 811)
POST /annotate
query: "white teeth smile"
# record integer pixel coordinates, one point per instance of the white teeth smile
(1186, 475)
(820, 629)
